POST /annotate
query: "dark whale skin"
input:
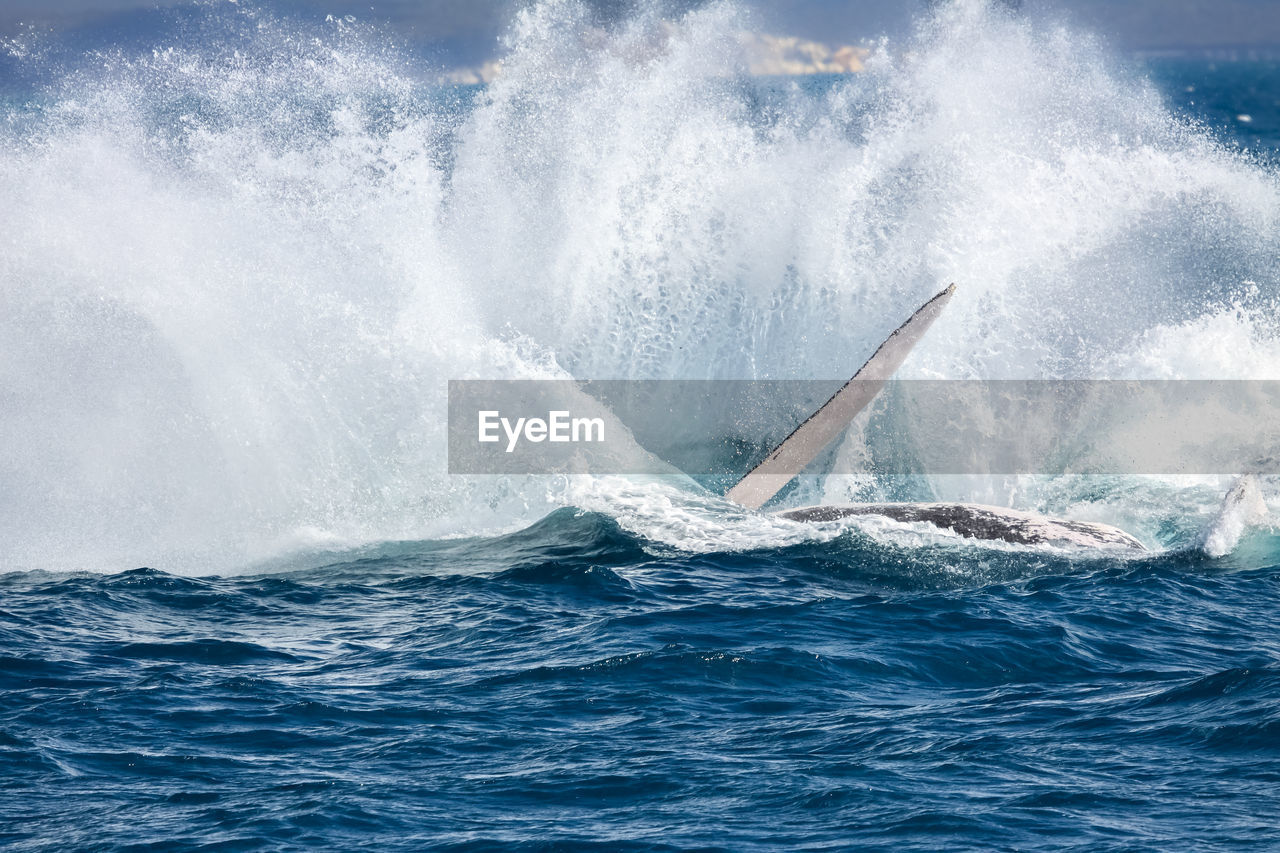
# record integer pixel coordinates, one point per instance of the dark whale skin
(976, 521)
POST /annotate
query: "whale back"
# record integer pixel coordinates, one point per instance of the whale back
(977, 521)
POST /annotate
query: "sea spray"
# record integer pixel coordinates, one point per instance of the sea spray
(238, 270)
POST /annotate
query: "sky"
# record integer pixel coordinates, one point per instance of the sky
(467, 30)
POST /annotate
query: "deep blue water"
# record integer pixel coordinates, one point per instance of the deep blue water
(1238, 101)
(564, 688)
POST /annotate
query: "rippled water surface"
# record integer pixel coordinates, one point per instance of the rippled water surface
(564, 688)
(239, 265)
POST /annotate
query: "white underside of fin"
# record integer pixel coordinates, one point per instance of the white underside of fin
(1242, 508)
(825, 425)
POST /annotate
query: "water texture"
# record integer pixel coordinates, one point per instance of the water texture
(564, 688)
(238, 268)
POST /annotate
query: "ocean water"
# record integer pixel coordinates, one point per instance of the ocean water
(243, 606)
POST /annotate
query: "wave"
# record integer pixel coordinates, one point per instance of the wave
(241, 266)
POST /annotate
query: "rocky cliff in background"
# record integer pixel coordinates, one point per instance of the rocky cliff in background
(782, 55)
(761, 54)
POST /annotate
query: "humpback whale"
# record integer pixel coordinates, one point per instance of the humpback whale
(974, 521)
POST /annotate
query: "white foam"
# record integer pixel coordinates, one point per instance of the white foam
(1242, 508)
(235, 287)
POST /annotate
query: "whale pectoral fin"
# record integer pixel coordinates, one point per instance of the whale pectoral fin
(821, 428)
(1242, 507)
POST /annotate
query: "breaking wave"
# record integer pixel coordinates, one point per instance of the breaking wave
(239, 269)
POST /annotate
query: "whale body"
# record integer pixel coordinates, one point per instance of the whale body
(974, 521)
(977, 521)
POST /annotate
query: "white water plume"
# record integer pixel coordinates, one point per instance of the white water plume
(236, 276)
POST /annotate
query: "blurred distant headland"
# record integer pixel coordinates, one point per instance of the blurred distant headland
(762, 54)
